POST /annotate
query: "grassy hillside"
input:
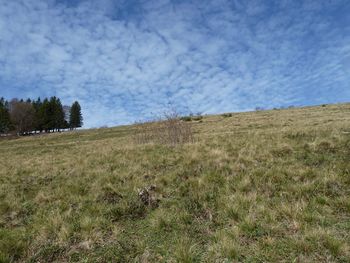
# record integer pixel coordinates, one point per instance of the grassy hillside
(269, 186)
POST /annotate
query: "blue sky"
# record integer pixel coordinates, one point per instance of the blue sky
(126, 60)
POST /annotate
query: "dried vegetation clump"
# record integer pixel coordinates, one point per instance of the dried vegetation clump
(171, 130)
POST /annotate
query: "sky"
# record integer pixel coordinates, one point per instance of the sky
(130, 60)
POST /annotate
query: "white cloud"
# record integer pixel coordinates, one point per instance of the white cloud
(125, 60)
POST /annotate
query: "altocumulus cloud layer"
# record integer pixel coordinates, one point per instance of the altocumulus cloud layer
(124, 60)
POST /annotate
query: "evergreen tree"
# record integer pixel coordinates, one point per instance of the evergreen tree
(37, 106)
(5, 122)
(59, 122)
(76, 119)
(44, 115)
(36, 115)
(53, 114)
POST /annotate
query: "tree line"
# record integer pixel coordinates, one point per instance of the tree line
(28, 116)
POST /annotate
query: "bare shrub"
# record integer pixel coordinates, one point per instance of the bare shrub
(22, 115)
(169, 130)
(145, 132)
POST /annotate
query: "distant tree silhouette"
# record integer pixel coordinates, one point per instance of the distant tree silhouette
(76, 119)
(37, 106)
(47, 115)
(44, 116)
(22, 115)
(57, 114)
(5, 122)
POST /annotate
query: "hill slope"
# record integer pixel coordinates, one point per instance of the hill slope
(259, 186)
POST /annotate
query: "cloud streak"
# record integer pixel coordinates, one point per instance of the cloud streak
(125, 60)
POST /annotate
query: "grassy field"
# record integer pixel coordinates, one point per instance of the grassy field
(267, 186)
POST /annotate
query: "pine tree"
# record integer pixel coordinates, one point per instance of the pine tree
(37, 106)
(54, 114)
(44, 115)
(59, 122)
(5, 123)
(76, 119)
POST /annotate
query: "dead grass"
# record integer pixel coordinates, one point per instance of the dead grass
(266, 186)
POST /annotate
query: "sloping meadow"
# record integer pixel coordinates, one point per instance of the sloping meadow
(267, 186)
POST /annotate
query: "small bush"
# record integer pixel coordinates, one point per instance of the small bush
(186, 118)
(226, 115)
(192, 118)
(197, 118)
